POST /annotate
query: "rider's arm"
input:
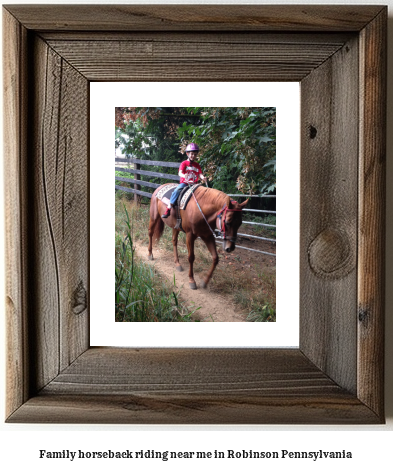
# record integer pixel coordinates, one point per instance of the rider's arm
(182, 170)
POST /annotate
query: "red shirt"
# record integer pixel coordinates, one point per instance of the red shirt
(192, 170)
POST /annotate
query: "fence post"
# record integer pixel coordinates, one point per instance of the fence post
(137, 198)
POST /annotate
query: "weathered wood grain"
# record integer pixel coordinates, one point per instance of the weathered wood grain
(372, 198)
(200, 37)
(336, 375)
(193, 386)
(329, 174)
(197, 18)
(44, 273)
(14, 149)
(59, 182)
(170, 60)
(194, 409)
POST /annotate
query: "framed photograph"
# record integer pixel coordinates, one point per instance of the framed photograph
(52, 55)
(246, 275)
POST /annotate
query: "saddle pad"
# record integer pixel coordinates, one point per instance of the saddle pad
(165, 193)
(185, 197)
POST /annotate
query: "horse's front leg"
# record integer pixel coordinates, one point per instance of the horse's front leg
(190, 238)
(175, 235)
(210, 243)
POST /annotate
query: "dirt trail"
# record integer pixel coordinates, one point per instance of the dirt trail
(214, 308)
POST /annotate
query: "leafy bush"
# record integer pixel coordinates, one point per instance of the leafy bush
(237, 144)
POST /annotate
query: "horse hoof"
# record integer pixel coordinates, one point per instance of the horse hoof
(203, 284)
(179, 268)
(193, 286)
(150, 257)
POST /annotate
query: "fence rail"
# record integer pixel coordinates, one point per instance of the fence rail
(137, 181)
(254, 195)
(136, 171)
(259, 223)
(136, 191)
(167, 164)
(174, 177)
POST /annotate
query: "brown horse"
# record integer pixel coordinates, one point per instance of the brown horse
(219, 211)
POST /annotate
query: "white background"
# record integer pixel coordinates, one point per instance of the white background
(371, 445)
(104, 97)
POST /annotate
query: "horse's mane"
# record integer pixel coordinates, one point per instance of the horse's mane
(213, 196)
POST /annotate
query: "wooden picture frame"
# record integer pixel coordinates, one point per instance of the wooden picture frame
(338, 54)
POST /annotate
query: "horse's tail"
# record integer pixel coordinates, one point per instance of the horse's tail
(156, 226)
(158, 229)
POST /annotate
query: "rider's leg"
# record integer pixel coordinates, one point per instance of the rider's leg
(175, 194)
(173, 199)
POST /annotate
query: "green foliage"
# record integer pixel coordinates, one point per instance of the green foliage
(238, 144)
(266, 314)
(260, 304)
(139, 295)
(152, 133)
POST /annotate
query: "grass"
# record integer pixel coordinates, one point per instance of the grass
(262, 302)
(256, 295)
(140, 294)
(254, 291)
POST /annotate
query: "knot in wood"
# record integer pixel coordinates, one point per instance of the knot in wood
(330, 254)
(80, 299)
(313, 132)
(363, 316)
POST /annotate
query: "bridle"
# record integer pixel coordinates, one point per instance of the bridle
(220, 221)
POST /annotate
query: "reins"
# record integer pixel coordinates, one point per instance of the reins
(224, 210)
(199, 207)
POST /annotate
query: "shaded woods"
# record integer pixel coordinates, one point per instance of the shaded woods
(238, 144)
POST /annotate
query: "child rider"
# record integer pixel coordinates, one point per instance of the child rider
(189, 172)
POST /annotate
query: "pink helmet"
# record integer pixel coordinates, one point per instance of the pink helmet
(192, 147)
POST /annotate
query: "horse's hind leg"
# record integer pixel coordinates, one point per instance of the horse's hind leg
(155, 230)
(152, 225)
(211, 245)
(191, 257)
(175, 235)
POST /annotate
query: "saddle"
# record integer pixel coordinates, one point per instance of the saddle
(165, 193)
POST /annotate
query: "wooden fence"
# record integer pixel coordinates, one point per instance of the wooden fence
(124, 165)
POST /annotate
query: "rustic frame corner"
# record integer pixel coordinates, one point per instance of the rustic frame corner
(338, 54)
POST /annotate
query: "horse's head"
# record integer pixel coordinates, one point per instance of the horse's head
(228, 221)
